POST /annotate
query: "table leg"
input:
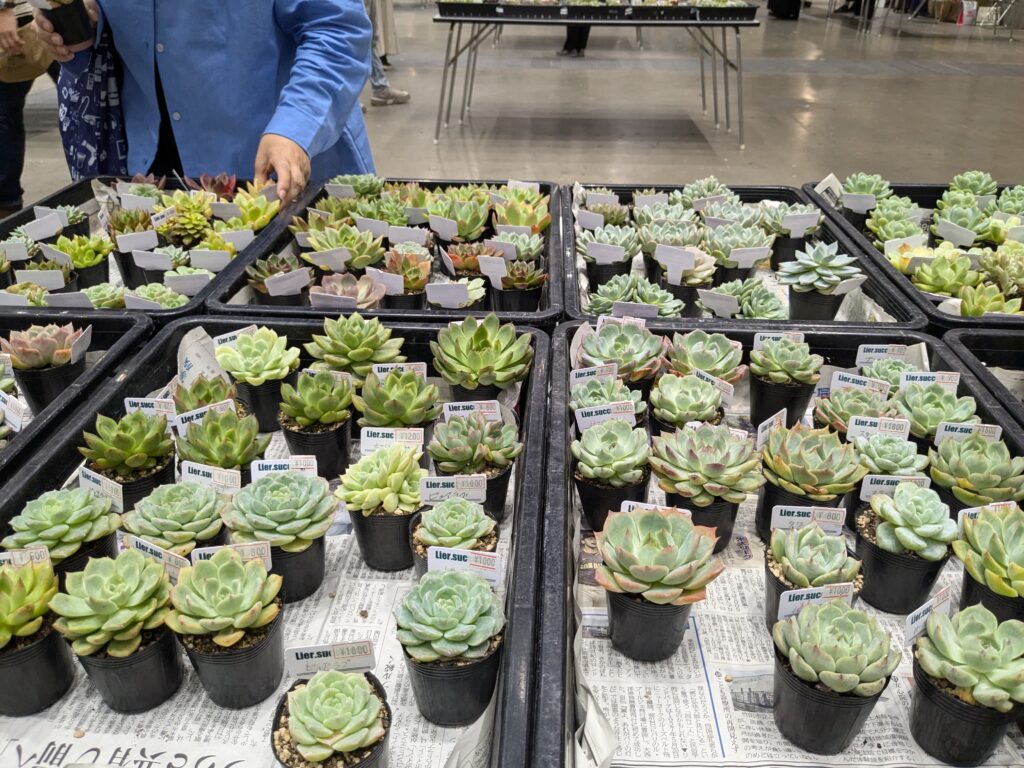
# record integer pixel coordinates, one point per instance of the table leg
(714, 79)
(472, 78)
(703, 84)
(640, 38)
(444, 82)
(465, 76)
(725, 78)
(739, 87)
(454, 76)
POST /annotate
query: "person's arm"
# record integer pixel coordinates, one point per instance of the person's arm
(54, 43)
(10, 43)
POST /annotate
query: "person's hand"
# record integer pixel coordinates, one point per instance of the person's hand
(10, 43)
(287, 160)
(54, 43)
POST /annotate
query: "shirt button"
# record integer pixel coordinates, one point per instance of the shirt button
(159, 47)
(176, 115)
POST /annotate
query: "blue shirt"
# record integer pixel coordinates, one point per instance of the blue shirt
(234, 70)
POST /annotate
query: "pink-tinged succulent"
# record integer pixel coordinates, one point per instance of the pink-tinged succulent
(40, 346)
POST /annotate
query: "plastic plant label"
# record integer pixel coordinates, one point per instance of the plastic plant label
(290, 283)
(605, 253)
(714, 222)
(604, 320)
(962, 237)
(596, 414)
(383, 369)
(16, 413)
(761, 338)
(529, 186)
(225, 211)
(914, 241)
(599, 198)
(721, 304)
(14, 251)
(513, 229)
(41, 212)
(214, 261)
(496, 198)
(338, 376)
(849, 285)
(798, 224)
(1015, 233)
(47, 226)
(152, 406)
(18, 557)
(589, 220)
(845, 380)
(166, 215)
(102, 486)
(490, 409)
(831, 189)
(6, 367)
(221, 480)
(829, 519)
(51, 279)
(330, 301)
(634, 309)
(137, 203)
(448, 295)
(231, 337)
(484, 564)
(580, 376)
(887, 484)
(81, 345)
(792, 601)
(256, 550)
(859, 203)
(171, 562)
(416, 216)
(865, 426)
(676, 260)
(434, 490)
(508, 250)
(629, 506)
(701, 202)
(131, 301)
(775, 421)
(949, 380)
(184, 419)
(649, 201)
(122, 187)
(724, 387)
(376, 227)
(446, 229)
(416, 235)
(449, 265)
(188, 285)
(333, 259)
(241, 239)
(917, 620)
(973, 512)
(49, 252)
(957, 431)
(393, 284)
(495, 268)
(307, 660)
(304, 465)
(73, 300)
(746, 258)
(302, 239)
(340, 190)
(154, 261)
(372, 439)
(869, 353)
(137, 241)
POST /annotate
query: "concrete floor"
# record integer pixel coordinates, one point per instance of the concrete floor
(819, 98)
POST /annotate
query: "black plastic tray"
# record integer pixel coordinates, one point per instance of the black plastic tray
(925, 195)
(233, 278)
(527, 11)
(157, 364)
(119, 335)
(877, 286)
(80, 192)
(980, 348)
(711, 13)
(473, 10)
(555, 711)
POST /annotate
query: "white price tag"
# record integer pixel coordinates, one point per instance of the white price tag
(256, 550)
(393, 284)
(416, 235)
(746, 258)
(383, 369)
(589, 220)
(187, 285)
(155, 261)
(446, 229)
(241, 239)
(845, 380)
(700, 203)
(103, 487)
(529, 186)
(948, 380)
(634, 309)
(171, 562)
(761, 338)
(629, 506)
(81, 345)
(52, 254)
(490, 409)
(184, 419)
(14, 251)
(849, 285)
(289, 283)
(333, 259)
(957, 431)
(973, 512)
(231, 337)
(792, 601)
(917, 620)
(605, 253)
(798, 224)
(51, 279)
(320, 300)
(40, 229)
(724, 387)
(137, 241)
(598, 198)
(372, 439)
(870, 353)
(158, 219)
(721, 304)
(307, 660)
(675, 260)
(153, 407)
(41, 212)
(448, 295)
(829, 519)
(831, 189)
(484, 564)
(340, 190)
(512, 229)
(580, 376)
(954, 233)
(303, 465)
(494, 268)
(221, 480)
(375, 227)
(224, 211)
(437, 489)
(137, 202)
(649, 201)
(864, 426)
(131, 301)
(766, 427)
(859, 203)
(214, 261)
(508, 250)
(887, 484)
(72, 300)
(604, 320)
(596, 414)
(18, 557)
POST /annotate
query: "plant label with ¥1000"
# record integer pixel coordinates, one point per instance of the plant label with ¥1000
(221, 480)
(257, 550)
(792, 601)
(485, 564)
(305, 465)
(434, 490)
(307, 660)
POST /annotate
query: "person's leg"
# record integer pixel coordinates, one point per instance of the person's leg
(570, 42)
(383, 94)
(581, 39)
(12, 139)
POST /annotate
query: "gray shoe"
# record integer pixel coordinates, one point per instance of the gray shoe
(389, 96)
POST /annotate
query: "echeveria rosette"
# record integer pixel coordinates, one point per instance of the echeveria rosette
(470, 444)
(387, 481)
(454, 523)
(638, 353)
(975, 182)
(317, 399)
(480, 353)
(675, 400)
(735, 212)
(614, 214)
(657, 554)
(888, 209)
(925, 406)
(773, 218)
(967, 217)
(40, 346)
(721, 241)
(700, 189)
(706, 465)
(913, 521)
(626, 237)
(134, 443)
(889, 370)
(986, 300)
(946, 274)
(158, 293)
(895, 229)
(809, 557)
(992, 549)
(838, 647)
(712, 353)
(223, 439)
(401, 398)
(606, 391)
(177, 517)
(890, 455)
(612, 453)
(355, 344)
(335, 713)
(258, 357)
(289, 510)
(202, 391)
(366, 292)
(25, 594)
(1004, 267)
(634, 288)
(818, 268)
(813, 463)
(62, 521)
(676, 233)
(836, 410)
(661, 213)
(977, 471)
(867, 184)
(785, 361)
(760, 303)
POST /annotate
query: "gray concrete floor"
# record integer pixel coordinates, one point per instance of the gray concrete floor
(819, 98)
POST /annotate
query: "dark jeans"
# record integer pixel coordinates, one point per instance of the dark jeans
(576, 37)
(12, 138)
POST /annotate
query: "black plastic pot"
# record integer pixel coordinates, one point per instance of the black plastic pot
(131, 275)
(652, 268)
(899, 583)
(302, 572)
(721, 515)
(599, 274)
(464, 395)
(858, 220)
(686, 294)
(383, 540)
(300, 299)
(773, 589)
(74, 230)
(725, 275)
(263, 401)
(238, 678)
(767, 398)
(952, 730)
(71, 285)
(71, 22)
(406, 301)
(973, 592)
(454, 695)
(332, 448)
(784, 249)
(34, 677)
(817, 721)
(645, 631)
(141, 681)
(516, 300)
(854, 506)
(946, 497)
(599, 500)
(770, 495)
(94, 275)
(7, 277)
(105, 546)
(811, 305)
(497, 493)
(135, 491)
(643, 387)
(41, 386)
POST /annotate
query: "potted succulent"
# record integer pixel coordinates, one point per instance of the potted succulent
(787, 243)
(783, 374)
(292, 511)
(135, 451)
(382, 492)
(353, 344)
(481, 358)
(228, 615)
(126, 222)
(41, 359)
(259, 271)
(35, 664)
(202, 392)
(363, 184)
(34, 294)
(836, 410)
(756, 301)
(862, 184)
(889, 370)
(472, 445)
(520, 289)
(366, 292)
(476, 294)
(691, 195)
(528, 247)
(965, 216)
(72, 524)
(315, 419)
(337, 718)
(69, 275)
(926, 406)
(610, 468)
(364, 250)
(113, 614)
(470, 216)
(711, 353)
(615, 214)
(677, 400)
(720, 242)
(634, 288)
(523, 213)
(945, 274)
(178, 518)
(465, 258)
(402, 398)
(454, 523)
(259, 363)
(71, 21)
(805, 467)
(388, 209)
(730, 211)
(966, 692)
(655, 565)
(78, 221)
(414, 263)
(224, 440)
(659, 213)
(88, 257)
(607, 391)
(975, 471)
(158, 293)
(805, 557)
(832, 663)
(599, 273)
(638, 353)
(987, 299)
(812, 278)
(993, 559)
(105, 296)
(680, 233)
(883, 454)
(701, 276)
(903, 541)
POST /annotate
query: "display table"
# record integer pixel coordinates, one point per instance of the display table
(703, 33)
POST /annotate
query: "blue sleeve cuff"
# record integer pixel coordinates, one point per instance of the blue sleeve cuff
(294, 124)
(80, 62)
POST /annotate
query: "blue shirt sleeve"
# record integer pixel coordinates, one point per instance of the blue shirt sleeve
(332, 63)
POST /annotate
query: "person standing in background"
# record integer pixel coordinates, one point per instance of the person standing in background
(576, 37)
(383, 94)
(385, 34)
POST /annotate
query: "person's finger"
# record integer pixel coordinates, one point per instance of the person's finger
(43, 24)
(262, 167)
(284, 182)
(10, 43)
(93, 11)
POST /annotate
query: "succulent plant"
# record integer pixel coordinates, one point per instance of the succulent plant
(470, 216)
(978, 182)
(336, 210)
(661, 213)
(676, 233)
(34, 294)
(625, 236)
(998, 230)
(363, 248)
(185, 230)
(476, 291)
(946, 274)
(773, 217)
(72, 213)
(85, 251)
(992, 549)
(888, 369)
(288, 509)
(465, 257)
(355, 345)
(516, 213)
(105, 296)
(335, 713)
(701, 189)
(523, 276)
(659, 555)
(389, 209)
(317, 399)
(604, 392)
(25, 593)
(528, 247)
(811, 462)
(470, 445)
(363, 184)
(638, 353)
(676, 400)
(867, 184)
(410, 193)
(978, 471)
(889, 209)
(275, 264)
(885, 454)
(913, 520)
(454, 523)
(987, 299)
(809, 557)
(1004, 267)
(127, 446)
(760, 303)
(107, 606)
(40, 346)
(966, 217)
(413, 262)
(402, 398)
(62, 521)
(124, 221)
(256, 213)
(820, 268)
(474, 353)
(837, 647)
(785, 361)
(258, 357)
(733, 211)
(634, 288)
(159, 293)
(366, 292)
(926, 405)
(223, 440)
(706, 464)
(614, 214)
(957, 198)
(222, 186)
(612, 453)
(387, 482)
(201, 392)
(712, 353)
(176, 517)
(836, 410)
(179, 256)
(721, 241)
(1010, 201)
(49, 265)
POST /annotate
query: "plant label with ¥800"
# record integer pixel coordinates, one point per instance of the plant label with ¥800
(103, 487)
(949, 430)
(872, 485)
(762, 337)
(629, 506)
(829, 519)
(37, 554)
(256, 550)
(870, 353)
(171, 562)
(624, 410)
(305, 465)
(917, 619)
(490, 409)
(307, 660)
(484, 564)
(948, 380)
(434, 490)
(372, 439)
(792, 601)
(220, 479)
(865, 426)
(973, 512)
(580, 376)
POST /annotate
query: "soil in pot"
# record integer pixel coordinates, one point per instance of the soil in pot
(41, 386)
(775, 584)
(598, 499)
(645, 631)
(330, 443)
(302, 572)
(417, 300)
(383, 539)
(419, 552)
(784, 249)
(973, 592)
(721, 515)
(264, 401)
(455, 693)
(137, 485)
(141, 681)
(811, 305)
(35, 671)
(516, 300)
(771, 495)
(599, 274)
(497, 490)
(105, 546)
(768, 398)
